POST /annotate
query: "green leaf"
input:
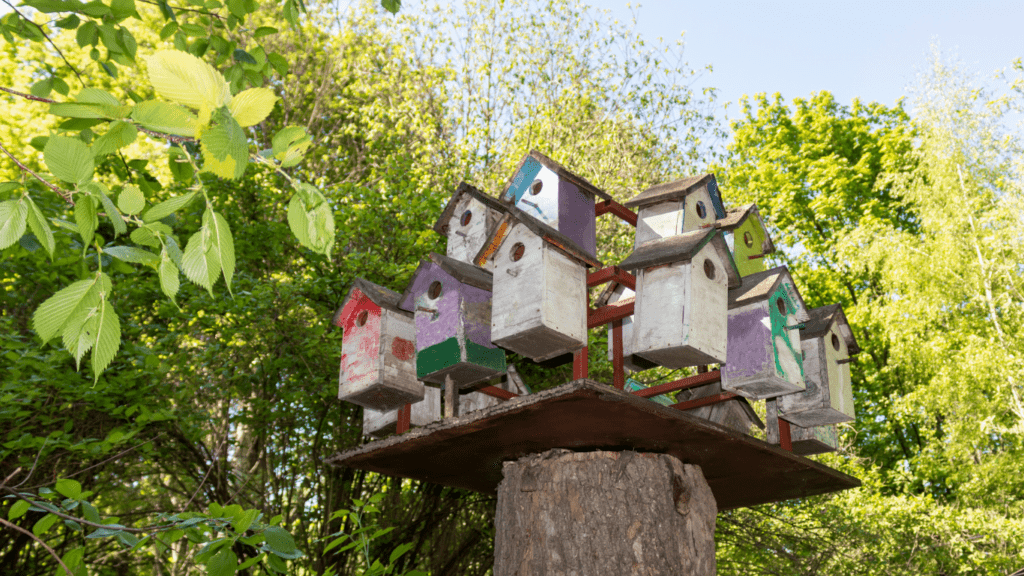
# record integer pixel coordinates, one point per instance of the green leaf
(237, 8)
(397, 553)
(225, 149)
(287, 137)
(168, 207)
(131, 200)
(224, 563)
(168, 30)
(40, 227)
(53, 314)
(280, 541)
(279, 63)
(243, 57)
(264, 31)
(165, 118)
(200, 263)
(392, 6)
(122, 9)
(69, 488)
(169, 282)
(18, 509)
(252, 106)
(42, 88)
(69, 22)
(97, 96)
(298, 220)
(69, 159)
(87, 34)
(242, 522)
(90, 513)
(251, 561)
(53, 6)
(107, 337)
(180, 167)
(99, 191)
(119, 135)
(131, 254)
(6, 187)
(182, 78)
(44, 524)
(85, 217)
(13, 218)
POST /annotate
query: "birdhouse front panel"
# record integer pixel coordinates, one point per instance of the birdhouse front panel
(453, 328)
(539, 306)
(468, 227)
(749, 242)
(630, 361)
(658, 221)
(806, 441)
(681, 312)
(828, 398)
(764, 357)
(378, 354)
(379, 424)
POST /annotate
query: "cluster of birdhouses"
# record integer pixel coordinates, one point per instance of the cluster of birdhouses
(515, 278)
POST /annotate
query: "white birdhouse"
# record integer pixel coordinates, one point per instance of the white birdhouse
(472, 401)
(467, 220)
(615, 292)
(539, 308)
(764, 356)
(378, 349)
(675, 208)
(806, 441)
(451, 301)
(747, 237)
(545, 190)
(734, 413)
(682, 285)
(385, 423)
(828, 346)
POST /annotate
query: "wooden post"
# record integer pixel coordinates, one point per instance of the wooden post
(451, 398)
(563, 512)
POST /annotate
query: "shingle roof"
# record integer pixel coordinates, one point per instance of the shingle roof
(735, 217)
(760, 285)
(381, 296)
(681, 248)
(441, 226)
(678, 190)
(550, 235)
(821, 319)
(558, 169)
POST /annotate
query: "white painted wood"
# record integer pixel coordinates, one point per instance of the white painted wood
(465, 241)
(658, 221)
(379, 424)
(518, 286)
(543, 206)
(375, 376)
(705, 327)
(565, 297)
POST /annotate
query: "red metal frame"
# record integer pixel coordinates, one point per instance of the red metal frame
(682, 384)
(713, 399)
(618, 370)
(404, 414)
(495, 392)
(610, 273)
(617, 209)
(785, 436)
(606, 314)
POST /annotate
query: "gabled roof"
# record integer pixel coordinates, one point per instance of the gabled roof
(759, 286)
(535, 156)
(682, 248)
(553, 237)
(678, 190)
(736, 216)
(820, 320)
(441, 226)
(379, 295)
(465, 273)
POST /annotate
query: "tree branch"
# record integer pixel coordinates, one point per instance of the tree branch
(27, 96)
(60, 191)
(43, 32)
(41, 543)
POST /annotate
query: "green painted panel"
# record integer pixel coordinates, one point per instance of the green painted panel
(742, 252)
(790, 338)
(438, 357)
(493, 358)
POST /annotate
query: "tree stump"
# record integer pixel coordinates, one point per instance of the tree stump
(584, 513)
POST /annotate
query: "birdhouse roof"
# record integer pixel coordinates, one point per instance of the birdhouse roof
(465, 273)
(379, 295)
(441, 226)
(759, 286)
(678, 190)
(735, 217)
(547, 233)
(558, 169)
(820, 321)
(682, 248)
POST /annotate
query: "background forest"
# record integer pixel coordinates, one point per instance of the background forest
(201, 444)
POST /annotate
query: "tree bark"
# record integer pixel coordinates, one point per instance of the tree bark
(585, 513)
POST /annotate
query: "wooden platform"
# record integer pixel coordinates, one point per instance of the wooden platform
(467, 451)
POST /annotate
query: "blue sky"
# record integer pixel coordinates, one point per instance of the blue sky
(866, 49)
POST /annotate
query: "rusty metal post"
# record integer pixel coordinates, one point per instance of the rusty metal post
(618, 370)
(404, 415)
(785, 437)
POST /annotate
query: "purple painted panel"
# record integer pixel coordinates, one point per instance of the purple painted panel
(459, 304)
(750, 337)
(576, 217)
(477, 308)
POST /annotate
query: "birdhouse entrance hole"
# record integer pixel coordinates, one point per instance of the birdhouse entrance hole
(518, 249)
(748, 239)
(361, 318)
(536, 187)
(835, 343)
(702, 211)
(434, 292)
(781, 305)
(466, 217)
(709, 269)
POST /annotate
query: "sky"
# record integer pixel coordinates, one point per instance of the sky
(867, 49)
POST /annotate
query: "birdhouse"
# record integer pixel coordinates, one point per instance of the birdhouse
(615, 292)
(764, 356)
(545, 190)
(828, 346)
(635, 386)
(467, 220)
(385, 423)
(734, 413)
(540, 288)
(675, 208)
(472, 401)
(682, 285)
(451, 303)
(806, 441)
(378, 349)
(747, 237)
